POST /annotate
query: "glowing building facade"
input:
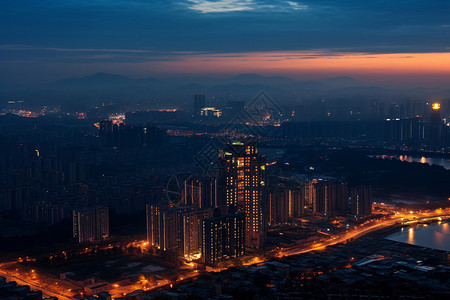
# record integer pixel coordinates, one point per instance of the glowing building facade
(241, 184)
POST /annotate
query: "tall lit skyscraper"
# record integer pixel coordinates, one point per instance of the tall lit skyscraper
(241, 184)
(91, 224)
(436, 124)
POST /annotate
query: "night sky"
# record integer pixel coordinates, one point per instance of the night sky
(44, 40)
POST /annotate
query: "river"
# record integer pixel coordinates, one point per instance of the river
(435, 236)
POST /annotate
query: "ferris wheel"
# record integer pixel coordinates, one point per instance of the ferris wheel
(175, 186)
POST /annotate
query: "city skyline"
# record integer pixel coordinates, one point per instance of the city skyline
(224, 149)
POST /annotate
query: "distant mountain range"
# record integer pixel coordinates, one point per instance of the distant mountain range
(103, 84)
(102, 80)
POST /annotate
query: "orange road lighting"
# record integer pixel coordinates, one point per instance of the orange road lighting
(436, 106)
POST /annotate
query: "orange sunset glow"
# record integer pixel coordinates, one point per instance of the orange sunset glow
(313, 61)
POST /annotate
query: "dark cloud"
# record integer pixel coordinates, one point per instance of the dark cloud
(55, 30)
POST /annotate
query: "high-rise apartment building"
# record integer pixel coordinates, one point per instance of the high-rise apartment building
(286, 200)
(361, 201)
(199, 103)
(164, 226)
(435, 125)
(170, 228)
(200, 193)
(91, 224)
(153, 214)
(330, 197)
(223, 237)
(241, 184)
(296, 199)
(191, 232)
(310, 195)
(278, 206)
(404, 131)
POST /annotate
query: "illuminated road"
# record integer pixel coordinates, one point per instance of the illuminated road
(397, 219)
(35, 286)
(353, 234)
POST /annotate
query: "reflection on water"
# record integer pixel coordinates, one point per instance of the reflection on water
(424, 160)
(411, 236)
(436, 236)
(439, 237)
